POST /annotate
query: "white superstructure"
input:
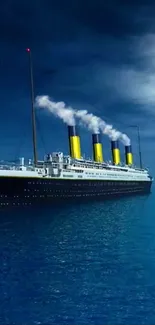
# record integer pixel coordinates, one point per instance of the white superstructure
(59, 166)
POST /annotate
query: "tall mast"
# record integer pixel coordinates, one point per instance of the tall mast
(33, 108)
(139, 147)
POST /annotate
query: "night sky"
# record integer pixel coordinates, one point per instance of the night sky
(96, 55)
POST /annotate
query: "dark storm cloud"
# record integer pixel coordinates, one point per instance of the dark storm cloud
(59, 20)
(82, 51)
(103, 17)
(34, 21)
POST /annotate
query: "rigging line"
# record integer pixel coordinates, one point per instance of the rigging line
(41, 135)
(23, 139)
(21, 143)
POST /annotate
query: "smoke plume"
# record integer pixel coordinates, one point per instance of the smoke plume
(88, 120)
(58, 109)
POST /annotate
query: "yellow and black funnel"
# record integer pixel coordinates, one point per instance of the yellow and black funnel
(115, 152)
(74, 142)
(128, 155)
(97, 147)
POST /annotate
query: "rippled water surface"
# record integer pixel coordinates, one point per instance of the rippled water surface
(82, 264)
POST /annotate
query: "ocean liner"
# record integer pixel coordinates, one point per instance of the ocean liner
(62, 178)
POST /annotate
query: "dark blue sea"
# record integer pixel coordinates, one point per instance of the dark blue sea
(90, 263)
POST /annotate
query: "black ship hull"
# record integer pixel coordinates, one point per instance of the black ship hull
(28, 191)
